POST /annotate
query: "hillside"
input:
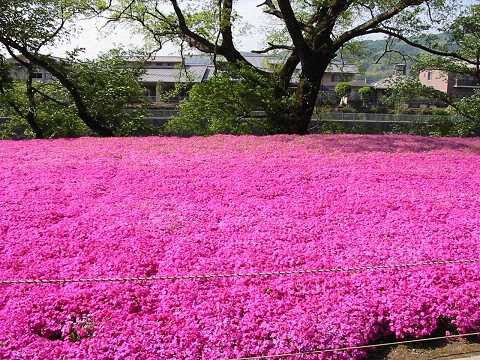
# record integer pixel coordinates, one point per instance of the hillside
(375, 66)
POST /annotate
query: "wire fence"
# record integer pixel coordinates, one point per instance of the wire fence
(267, 274)
(368, 122)
(264, 274)
(163, 115)
(360, 347)
(382, 118)
(159, 117)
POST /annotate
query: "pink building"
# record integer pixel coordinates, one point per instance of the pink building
(449, 83)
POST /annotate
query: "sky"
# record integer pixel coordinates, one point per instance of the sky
(96, 38)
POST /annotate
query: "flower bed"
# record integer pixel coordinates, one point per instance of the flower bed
(163, 206)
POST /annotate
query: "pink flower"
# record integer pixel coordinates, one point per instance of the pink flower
(161, 206)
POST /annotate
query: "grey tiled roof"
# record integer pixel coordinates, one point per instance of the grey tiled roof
(387, 83)
(192, 74)
(200, 68)
(342, 68)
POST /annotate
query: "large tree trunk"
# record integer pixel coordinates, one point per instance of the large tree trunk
(297, 117)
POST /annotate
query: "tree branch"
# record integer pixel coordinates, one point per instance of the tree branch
(420, 46)
(374, 22)
(194, 39)
(294, 28)
(272, 47)
(226, 49)
(48, 97)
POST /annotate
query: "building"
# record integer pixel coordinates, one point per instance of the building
(454, 85)
(383, 87)
(163, 73)
(20, 72)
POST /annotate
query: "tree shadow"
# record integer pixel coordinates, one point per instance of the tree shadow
(397, 144)
(445, 325)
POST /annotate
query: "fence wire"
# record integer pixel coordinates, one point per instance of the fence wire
(360, 347)
(265, 274)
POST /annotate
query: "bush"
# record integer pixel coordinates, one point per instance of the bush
(366, 92)
(224, 105)
(343, 89)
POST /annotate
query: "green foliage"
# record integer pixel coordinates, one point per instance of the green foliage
(466, 32)
(437, 126)
(54, 113)
(343, 89)
(29, 26)
(33, 24)
(466, 35)
(109, 84)
(470, 108)
(366, 92)
(225, 103)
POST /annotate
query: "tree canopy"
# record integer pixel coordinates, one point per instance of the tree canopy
(99, 90)
(307, 34)
(465, 33)
(311, 34)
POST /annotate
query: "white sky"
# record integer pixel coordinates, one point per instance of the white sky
(97, 39)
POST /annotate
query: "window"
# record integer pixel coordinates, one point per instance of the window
(37, 75)
(166, 65)
(338, 77)
(429, 75)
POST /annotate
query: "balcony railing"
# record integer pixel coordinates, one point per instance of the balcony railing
(471, 83)
(172, 99)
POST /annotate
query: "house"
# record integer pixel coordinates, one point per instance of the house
(383, 86)
(454, 85)
(20, 72)
(163, 73)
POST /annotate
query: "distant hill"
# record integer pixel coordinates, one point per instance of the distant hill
(375, 66)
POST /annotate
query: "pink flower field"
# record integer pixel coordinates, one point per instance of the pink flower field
(141, 207)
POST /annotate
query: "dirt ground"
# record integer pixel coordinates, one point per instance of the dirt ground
(458, 349)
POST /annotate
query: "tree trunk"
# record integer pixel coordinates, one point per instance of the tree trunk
(31, 115)
(297, 117)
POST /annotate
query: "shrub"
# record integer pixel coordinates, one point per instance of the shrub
(225, 103)
(342, 89)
